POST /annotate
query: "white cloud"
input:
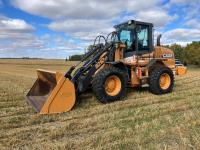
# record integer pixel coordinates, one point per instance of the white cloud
(84, 20)
(17, 33)
(75, 9)
(17, 40)
(189, 9)
(82, 29)
(16, 36)
(193, 23)
(87, 9)
(14, 25)
(157, 16)
(78, 25)
(14, 28)
(181, 35)
(43, 47)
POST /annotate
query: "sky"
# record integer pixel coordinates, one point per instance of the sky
(60, 28)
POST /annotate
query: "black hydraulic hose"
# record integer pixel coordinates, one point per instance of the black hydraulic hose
(113, 35)
(90, 63)
(87, 55)
(96, 57)
(98, 46)
(68, 73)
(99, 37)
(99, 50)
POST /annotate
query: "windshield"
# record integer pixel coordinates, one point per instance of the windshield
(126, 36)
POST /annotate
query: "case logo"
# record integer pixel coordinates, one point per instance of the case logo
(167, 55)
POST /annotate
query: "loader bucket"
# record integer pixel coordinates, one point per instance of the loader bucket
(51, 93)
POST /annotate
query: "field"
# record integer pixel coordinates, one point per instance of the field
(142, 121)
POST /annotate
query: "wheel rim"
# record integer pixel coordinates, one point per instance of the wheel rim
(165, 81)
(113, 85)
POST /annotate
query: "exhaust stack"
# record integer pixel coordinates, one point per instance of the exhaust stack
(158, 39)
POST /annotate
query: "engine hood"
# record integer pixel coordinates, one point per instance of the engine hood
(162, 52)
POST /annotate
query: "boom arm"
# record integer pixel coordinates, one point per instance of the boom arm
(93, 60)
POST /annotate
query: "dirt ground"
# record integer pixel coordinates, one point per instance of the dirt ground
(142, 121)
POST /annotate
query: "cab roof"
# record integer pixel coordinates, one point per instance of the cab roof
(135, 22)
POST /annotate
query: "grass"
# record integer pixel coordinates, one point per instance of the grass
(142, 121)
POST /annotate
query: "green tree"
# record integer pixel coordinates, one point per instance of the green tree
(178, 51)
(192, 53)
(75, 58)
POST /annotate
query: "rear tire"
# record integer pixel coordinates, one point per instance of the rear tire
(113, 76)
(161, 81)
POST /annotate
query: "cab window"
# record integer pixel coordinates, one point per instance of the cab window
(143, 41)
(126, 37)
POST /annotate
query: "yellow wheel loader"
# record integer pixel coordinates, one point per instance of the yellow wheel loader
(127, 57)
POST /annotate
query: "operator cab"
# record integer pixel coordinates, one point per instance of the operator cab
(137, 36)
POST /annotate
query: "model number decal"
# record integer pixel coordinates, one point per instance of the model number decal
(167, 55)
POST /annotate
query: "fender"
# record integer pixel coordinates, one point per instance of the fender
(120, 65)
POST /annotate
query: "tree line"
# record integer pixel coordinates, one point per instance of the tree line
(74, 58)
(189, 54)
(77, 57)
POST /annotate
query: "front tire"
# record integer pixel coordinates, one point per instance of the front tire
(110, 84)
(161, 81)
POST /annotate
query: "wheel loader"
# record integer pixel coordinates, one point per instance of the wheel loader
(126, 58)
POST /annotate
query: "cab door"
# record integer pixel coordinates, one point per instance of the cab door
(144, 39)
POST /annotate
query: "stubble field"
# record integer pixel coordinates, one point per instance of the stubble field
(142, 121)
